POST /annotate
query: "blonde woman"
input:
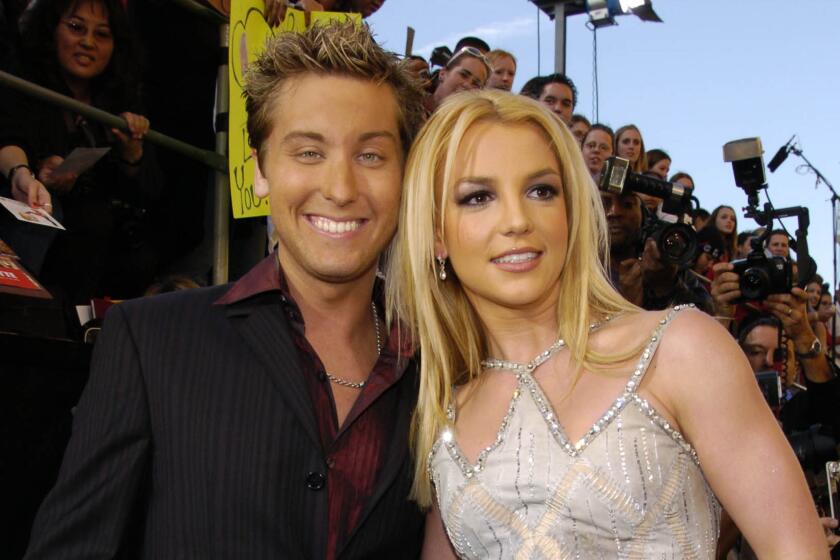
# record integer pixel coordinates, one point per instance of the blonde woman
(630, 145)
(554, 418)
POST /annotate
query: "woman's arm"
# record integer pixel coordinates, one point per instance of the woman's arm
(24, 186)
(436, 543)
(706, 382)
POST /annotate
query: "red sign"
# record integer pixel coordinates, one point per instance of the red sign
(12, 275)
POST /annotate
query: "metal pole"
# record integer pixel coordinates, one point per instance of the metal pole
(221, 183)
(206, 157)
(560, 37)
(834, 287)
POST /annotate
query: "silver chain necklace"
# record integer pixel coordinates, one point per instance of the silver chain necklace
(529, 367)
(358, 385)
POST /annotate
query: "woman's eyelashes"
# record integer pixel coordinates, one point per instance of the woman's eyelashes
(475, 197)
(543, 192)
(483, 196)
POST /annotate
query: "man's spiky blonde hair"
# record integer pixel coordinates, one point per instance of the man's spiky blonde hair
(335, 49)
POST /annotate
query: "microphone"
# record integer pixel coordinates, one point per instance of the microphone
(780, 156)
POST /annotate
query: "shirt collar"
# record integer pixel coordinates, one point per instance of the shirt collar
(264, 277)
(267, 276)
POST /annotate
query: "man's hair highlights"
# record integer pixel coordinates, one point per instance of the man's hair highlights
(335, 49)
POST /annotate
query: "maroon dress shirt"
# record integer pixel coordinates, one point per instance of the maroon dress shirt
(355, 451)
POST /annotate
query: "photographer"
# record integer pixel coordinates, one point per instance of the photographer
(801, 414)
(637, 268)
(790, 311)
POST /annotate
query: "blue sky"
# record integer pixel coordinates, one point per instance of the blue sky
(714, 71)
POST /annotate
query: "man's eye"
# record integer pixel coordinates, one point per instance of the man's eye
(370, 157)
(309, 154)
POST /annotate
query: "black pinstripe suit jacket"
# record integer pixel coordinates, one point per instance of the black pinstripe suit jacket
(194, 438)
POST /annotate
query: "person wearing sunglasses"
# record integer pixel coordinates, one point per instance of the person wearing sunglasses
(467, 69)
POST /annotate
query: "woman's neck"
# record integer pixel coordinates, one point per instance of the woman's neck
(518, 335)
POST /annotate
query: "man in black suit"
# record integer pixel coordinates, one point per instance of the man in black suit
(268, 418)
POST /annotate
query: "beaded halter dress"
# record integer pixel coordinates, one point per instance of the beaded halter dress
(630, 488)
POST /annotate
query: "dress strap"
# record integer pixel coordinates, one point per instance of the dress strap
(650, 349)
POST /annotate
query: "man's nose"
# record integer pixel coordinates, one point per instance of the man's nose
(340, 185)
(768, 358)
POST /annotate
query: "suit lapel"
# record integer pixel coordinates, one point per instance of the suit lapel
(266, 331)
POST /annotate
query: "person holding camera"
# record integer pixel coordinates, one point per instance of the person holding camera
(790, 309)
(759, 339)
(637, 267)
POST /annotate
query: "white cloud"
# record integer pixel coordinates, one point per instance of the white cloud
(491, 32)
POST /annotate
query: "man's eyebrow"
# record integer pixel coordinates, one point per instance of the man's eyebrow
(377, 134)
(304, 135)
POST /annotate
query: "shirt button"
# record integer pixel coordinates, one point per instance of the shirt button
(331, 463)
(322, 376)
(315, 481)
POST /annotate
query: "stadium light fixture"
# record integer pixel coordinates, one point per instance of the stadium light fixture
(603, 12)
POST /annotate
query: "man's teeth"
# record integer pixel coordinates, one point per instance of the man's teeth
(516, 258)
(331, 226)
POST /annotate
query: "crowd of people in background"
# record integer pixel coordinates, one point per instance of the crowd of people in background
(129, 226)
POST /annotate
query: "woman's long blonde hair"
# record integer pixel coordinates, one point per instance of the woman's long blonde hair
(641, 164)
(437, 313)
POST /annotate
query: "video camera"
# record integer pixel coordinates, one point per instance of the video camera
(671, 227)
(758, 274)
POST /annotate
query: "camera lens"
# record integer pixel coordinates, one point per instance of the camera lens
(754, 283)
(677, 244)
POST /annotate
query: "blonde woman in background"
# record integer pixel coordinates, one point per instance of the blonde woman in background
(504, 69)
(630, 145)
(554, 418)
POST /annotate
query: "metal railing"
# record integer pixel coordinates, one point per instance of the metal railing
(216, 160)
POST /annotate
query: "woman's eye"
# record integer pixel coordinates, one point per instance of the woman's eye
(478, 198)
(542, 192)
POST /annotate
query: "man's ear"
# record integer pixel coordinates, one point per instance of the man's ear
(260, 182)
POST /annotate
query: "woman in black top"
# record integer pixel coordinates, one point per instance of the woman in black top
(83, 49)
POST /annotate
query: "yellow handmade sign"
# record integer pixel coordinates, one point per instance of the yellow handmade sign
(248, 34)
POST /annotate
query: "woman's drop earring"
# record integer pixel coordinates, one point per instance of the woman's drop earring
(442, 264)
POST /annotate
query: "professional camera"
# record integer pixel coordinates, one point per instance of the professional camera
(670, 228)
(760, 275)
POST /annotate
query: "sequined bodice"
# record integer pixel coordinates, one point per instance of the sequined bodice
(632, 487)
